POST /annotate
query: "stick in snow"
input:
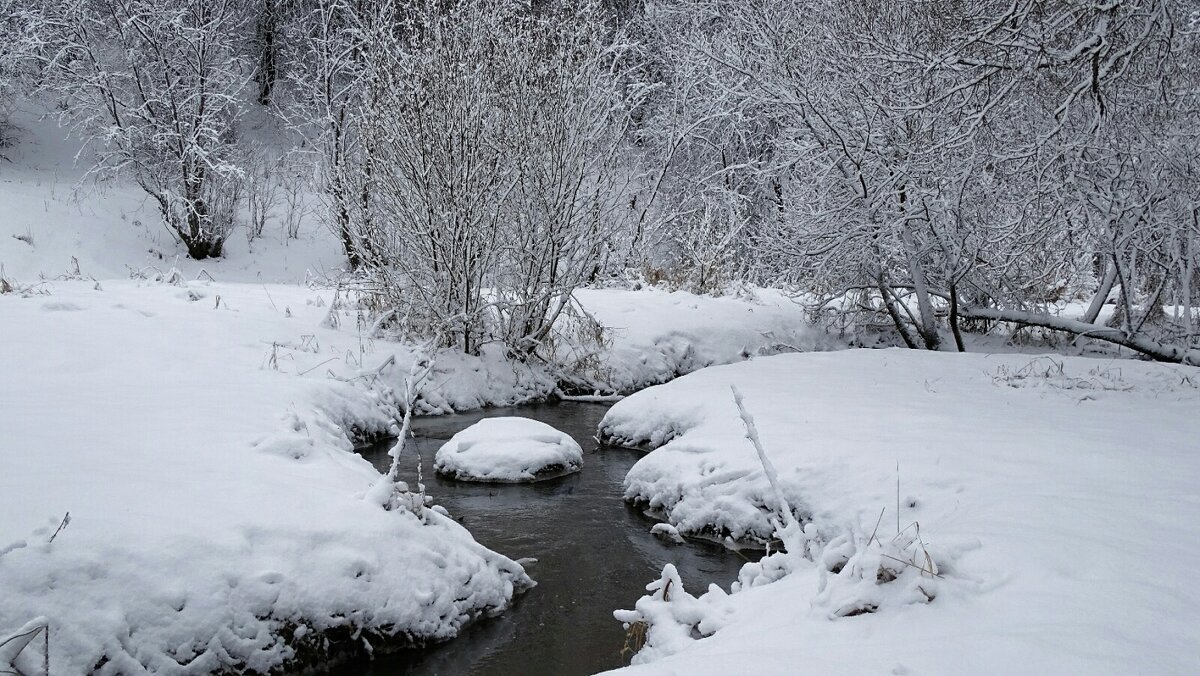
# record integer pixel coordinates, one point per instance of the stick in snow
(768, 468)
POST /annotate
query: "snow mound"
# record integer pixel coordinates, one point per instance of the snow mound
(509, 450)
(954, 509)
(216, 520)
(654, 335)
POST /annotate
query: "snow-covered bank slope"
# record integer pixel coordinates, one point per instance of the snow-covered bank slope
(657, 335)
(1057, 497)
(195, 434)
(652, 336)
(213, 508)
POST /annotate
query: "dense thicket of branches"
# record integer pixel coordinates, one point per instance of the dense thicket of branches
(929, 167)
(471, 155)
(910, 160)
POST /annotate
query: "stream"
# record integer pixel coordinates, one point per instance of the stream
(595, 554)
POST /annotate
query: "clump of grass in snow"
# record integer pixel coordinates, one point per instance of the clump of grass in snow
(856, 567)
(635, 639)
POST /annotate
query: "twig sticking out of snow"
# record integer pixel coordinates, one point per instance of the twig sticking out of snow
(385, 489)
(66, 521)
(332, 319)
(789, 521)
(413, 383)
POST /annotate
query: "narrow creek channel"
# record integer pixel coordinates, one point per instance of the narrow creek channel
(595, 554)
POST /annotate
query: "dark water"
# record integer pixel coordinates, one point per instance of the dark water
(595, 554)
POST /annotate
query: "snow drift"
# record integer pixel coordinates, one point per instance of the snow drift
(955, 511)
(216, 519)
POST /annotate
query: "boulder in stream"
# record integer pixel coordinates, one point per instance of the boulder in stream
(508, 450)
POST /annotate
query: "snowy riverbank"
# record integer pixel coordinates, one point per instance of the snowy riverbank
(198, 434)
(215, 513)
(1055, 496)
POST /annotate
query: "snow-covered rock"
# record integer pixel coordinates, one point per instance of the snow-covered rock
(508, 450)
(1047, 513)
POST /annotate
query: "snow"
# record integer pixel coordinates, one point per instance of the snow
(198, 433)
(195, 418)
(656, 335)
(508, 450)
(216, 515)
(1046, 504)
(58, 221)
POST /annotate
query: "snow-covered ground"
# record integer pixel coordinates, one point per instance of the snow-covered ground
(57, 221)
(657, 335)
(215, 513)
(1054, 497)
(197, 432)
(509, 450)
(195, 418)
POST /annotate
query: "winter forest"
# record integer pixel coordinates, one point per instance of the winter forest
(564, 336)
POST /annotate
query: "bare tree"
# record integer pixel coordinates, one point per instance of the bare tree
(156, 89)
(492, 185)
(943, 160)
(336, 51)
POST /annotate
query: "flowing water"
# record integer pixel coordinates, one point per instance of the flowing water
(595, 554)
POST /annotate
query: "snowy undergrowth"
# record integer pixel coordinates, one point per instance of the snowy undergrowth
(949, 517)
(61, 227)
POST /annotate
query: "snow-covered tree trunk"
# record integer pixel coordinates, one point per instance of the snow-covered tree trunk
(1179, 354)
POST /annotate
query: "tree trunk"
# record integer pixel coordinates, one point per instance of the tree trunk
(1176, 354)
(958, 339)
(1106, 285)
(268, 62)
(928, 324)
(204, 247)
(894, 314)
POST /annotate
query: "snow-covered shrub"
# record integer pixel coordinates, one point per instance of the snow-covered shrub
(707, 245)
(1054, 375)
(1051, 373)
(156, 89)
(263, 187)
(500, 188)
(863, 576)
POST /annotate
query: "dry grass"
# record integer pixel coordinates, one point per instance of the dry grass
(635, 639)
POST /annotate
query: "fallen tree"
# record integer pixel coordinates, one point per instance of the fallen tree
(1176, 354)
